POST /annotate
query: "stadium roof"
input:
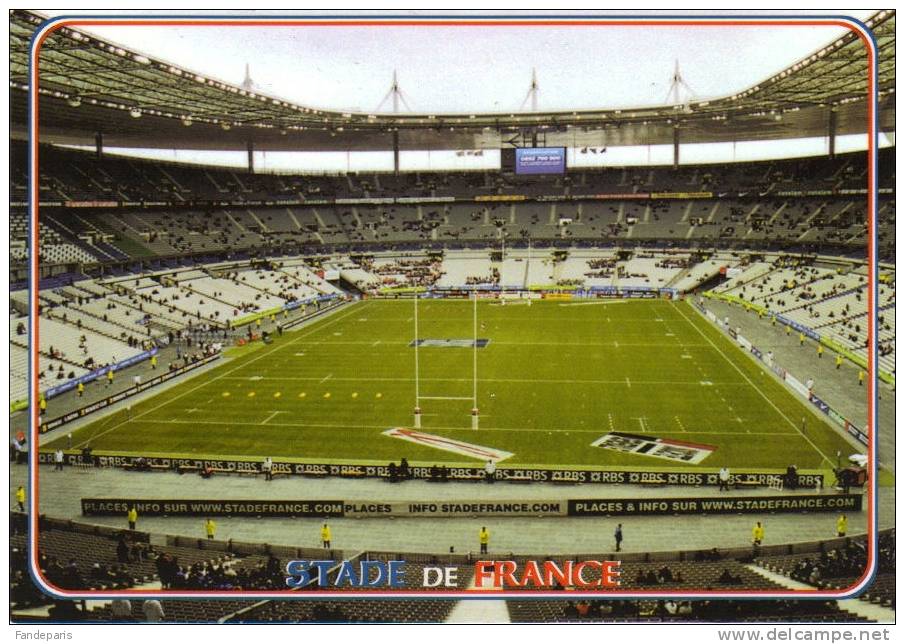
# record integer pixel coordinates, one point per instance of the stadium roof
(88, 85)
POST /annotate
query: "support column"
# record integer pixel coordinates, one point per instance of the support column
(99, 145)
(251, 157)
(396, 152)
(831, 126)
(675, 147)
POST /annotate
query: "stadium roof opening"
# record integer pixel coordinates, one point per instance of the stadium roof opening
(487, 69)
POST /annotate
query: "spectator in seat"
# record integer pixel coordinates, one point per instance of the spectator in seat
(728, 579)
(153, 611)
(65, 611)
(664, 575)
(121, 610)
(122, 549)
(72, 576)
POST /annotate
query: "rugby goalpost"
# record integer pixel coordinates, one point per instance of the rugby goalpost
(474, 375)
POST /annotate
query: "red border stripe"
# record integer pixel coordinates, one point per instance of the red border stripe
(601, 22)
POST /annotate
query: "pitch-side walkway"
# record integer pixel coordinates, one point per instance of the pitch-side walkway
(839, 387)
(61, 492)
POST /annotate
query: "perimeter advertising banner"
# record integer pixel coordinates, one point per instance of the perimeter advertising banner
(222, 467)
(717, 505)
(508, 508)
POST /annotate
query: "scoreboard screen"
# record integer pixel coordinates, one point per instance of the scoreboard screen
(535, 160)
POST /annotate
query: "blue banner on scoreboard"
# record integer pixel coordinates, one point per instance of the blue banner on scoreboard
(540, 160)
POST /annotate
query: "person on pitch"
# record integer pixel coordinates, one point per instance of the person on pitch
(724, 479)
(490, 471)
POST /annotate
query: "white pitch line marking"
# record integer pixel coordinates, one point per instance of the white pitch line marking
(598, 303)
(193, 410)
(375, 343)
(273, 414)
(628, 382)
(561, 381)
(177, 421)
(338, 343)
(446, 398)
(326, 378)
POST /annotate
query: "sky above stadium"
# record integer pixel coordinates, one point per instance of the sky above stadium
(487, 69)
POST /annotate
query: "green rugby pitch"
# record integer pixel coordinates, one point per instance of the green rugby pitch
(554, 377)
